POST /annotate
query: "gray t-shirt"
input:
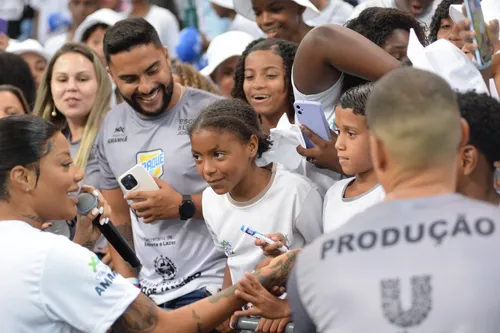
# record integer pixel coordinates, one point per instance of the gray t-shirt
(416, 265)
(92, 176)
(178, 256)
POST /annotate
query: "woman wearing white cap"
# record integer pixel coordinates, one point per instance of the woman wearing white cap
(33, 53)
(284, 19)
(223, 55)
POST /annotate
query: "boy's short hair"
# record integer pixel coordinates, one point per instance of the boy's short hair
(415, 114)
(127, 34)
(482, 113)
(356, 98)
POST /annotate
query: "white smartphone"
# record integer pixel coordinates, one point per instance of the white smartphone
(137, 179)
(311, 114)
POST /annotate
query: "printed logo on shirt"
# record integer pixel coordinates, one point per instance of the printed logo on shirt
(151, 288)
(421, 303)
(228, 249)
(159, 241)
(103, 275)
(152, 161)
(118, 135)
(165, 268)
(184, 126)
(94, 261)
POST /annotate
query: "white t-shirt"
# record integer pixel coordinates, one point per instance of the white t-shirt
(285, 138)
(337, 209)
(290, 205)
(52, 285)
(165, 24)
(11, 10)
(337, 12)
(426, 17)
(45, 9)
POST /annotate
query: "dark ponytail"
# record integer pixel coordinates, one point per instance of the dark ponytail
(23, 141)
(233, 116)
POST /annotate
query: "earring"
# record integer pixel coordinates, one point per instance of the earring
(28, 189)
(54, 112)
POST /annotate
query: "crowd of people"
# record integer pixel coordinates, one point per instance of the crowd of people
(384, 226)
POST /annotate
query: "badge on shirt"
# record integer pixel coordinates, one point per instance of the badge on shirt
(152, 161)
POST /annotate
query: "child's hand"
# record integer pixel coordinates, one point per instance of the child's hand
(271, 250)
(4, 41)
(323, 154)
(272, 326)
(264, 303)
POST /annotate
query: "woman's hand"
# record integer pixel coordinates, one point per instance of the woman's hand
(86, 233)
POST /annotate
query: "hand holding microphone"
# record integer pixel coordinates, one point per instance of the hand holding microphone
(93, 208)
(86, 231)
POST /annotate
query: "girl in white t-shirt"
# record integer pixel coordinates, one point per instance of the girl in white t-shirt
(226, 140)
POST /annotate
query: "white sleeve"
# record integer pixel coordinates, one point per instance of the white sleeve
(309, 222)
(78, 289)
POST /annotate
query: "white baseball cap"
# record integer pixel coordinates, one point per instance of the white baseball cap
(102, 16)
(225, 46)
(27, 46)
(490, 8)
(448, 61)
(224, 3)
(244, 8)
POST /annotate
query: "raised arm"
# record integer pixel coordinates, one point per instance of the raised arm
(203, 316)
(328, 50)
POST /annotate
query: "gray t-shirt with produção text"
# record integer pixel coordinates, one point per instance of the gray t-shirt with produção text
(415, 266)
(178, 256)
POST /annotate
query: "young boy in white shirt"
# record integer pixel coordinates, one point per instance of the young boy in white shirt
(353, 195)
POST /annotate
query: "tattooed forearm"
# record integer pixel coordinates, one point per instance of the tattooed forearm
(33, 218)
(198, 321)
(126, 231)
(278, 273)
(228, 292)
(140, 317)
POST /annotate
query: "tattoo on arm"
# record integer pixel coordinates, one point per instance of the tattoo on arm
(198, 321)
(140, 317)
(279, 272)
(228, 292)
(89, 245)
(33, 218)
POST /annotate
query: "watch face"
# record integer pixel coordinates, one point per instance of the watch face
(187, 210)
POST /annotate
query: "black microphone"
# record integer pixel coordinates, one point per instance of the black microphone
(87, 202)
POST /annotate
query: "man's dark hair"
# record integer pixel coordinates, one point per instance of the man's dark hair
(377, 24)
(356, 98)
(86, 35)
(285, 49)
(233, 116)
(482, 113)
(127, 34)
(442, 12)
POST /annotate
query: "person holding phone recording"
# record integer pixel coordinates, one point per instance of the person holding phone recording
(151, 129)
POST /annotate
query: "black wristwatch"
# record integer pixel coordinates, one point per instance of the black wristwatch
(187, 207)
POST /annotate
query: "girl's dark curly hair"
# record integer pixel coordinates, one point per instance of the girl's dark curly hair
(442, 12)
(285, 49)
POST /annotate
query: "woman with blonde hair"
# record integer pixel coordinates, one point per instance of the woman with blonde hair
(74, 94)
(188, 76)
